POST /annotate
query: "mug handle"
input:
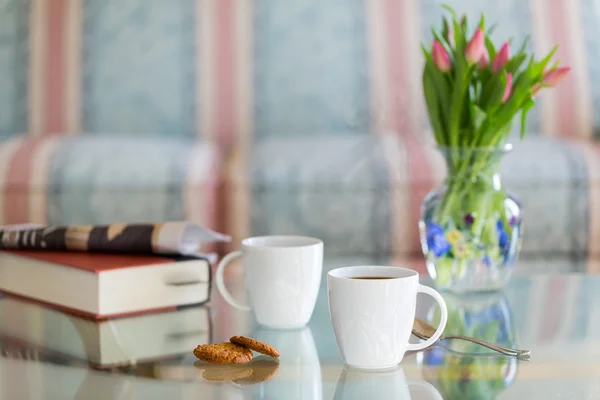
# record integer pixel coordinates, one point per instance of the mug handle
(428, 387)
(440, 300)
(221, 283)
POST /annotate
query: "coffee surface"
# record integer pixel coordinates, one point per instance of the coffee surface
(372, 277)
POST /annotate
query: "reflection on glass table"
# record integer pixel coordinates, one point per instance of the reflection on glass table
(557, 317)
(481, 374)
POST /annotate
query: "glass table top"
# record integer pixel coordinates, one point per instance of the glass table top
(50, 355)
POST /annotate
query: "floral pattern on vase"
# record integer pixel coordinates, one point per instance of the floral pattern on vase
(470, 227)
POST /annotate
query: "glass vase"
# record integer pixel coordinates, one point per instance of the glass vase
(470, 227)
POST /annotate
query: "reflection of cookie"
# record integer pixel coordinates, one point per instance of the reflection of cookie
(255, 345)
(224, 353)
(217, 373)
(262, 369)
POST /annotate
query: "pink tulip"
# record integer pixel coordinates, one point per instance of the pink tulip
(508, 90)
(451, 37)
(553, 77)
(441, 59)
(501, 58)
(475, 47)
(484, 61)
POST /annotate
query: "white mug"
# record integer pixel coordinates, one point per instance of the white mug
(373, 318)
(282, 275)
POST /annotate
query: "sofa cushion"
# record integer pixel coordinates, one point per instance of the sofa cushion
(362, 195)
(97, 180)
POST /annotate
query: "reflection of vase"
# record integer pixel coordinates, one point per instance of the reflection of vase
(472, 375)
(299, 372)
(486, 317)
(470, 227)
(364, 384)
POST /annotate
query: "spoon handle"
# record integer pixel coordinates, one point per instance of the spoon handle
(495, 347)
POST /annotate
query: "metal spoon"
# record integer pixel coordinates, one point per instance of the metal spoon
(423, 330)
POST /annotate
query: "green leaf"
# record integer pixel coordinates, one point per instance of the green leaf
(521, 91)
(491, 29)
(450, 10)
(462, 77)
(524, 110)
(441, 85)
(538, 70)
(460, 42)
(524, 45)
(443, 41)
(495, 91)
(482, 22)
(445, 28)
(515, 63)
(554, 66)
(479, 116)
(490, 47)
(464, 23)
(433, 107)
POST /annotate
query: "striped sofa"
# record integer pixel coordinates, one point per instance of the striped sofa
(266, 116)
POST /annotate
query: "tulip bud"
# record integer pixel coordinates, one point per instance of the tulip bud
(475, 47)
(441, 59)
(553, 77)
(508, 90)
(501, 58)
(484, 61)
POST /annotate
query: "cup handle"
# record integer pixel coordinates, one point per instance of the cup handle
(221, 283)
(428, 387)
(440, 300)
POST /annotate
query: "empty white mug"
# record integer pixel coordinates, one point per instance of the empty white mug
(282, 275)
(372, 310)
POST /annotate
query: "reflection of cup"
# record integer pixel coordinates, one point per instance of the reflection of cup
(390, 384)
(372, 310)
(282, 275)
(299, 372)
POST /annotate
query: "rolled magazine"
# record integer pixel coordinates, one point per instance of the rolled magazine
(177, 237)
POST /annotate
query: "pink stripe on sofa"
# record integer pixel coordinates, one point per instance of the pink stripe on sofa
(202, 187)
(565, 21)
(404, 99)
(553, 309)
(225, 61)
(16, 204)
(8, 149)
(54, 70)
(566, 109)
(38, 183)
(224, 70)
(396, 106)
(54, 77)
(591, 155)
(593, 162)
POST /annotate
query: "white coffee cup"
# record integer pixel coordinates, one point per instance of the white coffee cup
(282, 275)
(373, 318)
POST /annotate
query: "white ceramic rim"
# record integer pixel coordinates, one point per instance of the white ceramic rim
(395, 273)
(281, 242)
